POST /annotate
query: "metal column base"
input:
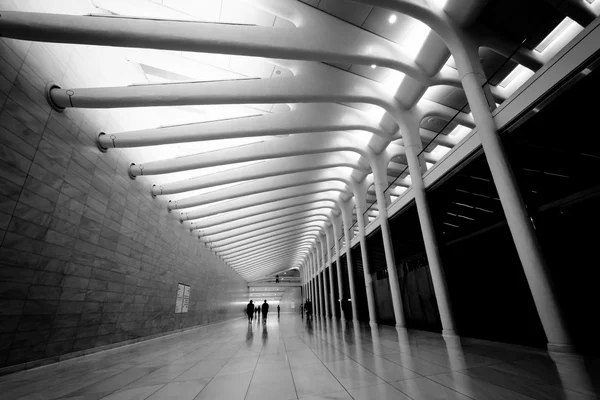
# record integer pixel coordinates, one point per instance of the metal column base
(47, 90)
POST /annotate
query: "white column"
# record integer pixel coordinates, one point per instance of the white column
(312, 285)
(347, 220)
(319, 271)
(317, 280)
(324, 281)
(416, 165)
(331, 287)
(337, 236)
(359, 195)
(519, 222)
(380, 175)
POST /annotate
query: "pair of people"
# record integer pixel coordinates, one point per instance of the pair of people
(264, 309)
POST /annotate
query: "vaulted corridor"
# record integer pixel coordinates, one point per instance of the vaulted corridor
(423, 172)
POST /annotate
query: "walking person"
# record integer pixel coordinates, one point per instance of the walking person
(278, 309)
(250, 311)
(265, 310)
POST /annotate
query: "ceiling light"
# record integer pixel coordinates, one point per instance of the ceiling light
(392, 19)
(373, 66)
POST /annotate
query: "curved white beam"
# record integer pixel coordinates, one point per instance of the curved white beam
(284, 253)
(281, 239)
(267, 247)
(270, 167)
(263, 198)
(263, 227)
(273, 223)
(285, 147)
(261, 185)
(266, 236)
(319, 200)
(352, 45)
(290, 212)
(266, 255)
(274, 253)
(303, 118)
(262, 270)
(324, 87)
(263, 250)
(260, 233)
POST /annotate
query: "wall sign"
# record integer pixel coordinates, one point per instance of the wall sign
(183, 298)
(186, 299)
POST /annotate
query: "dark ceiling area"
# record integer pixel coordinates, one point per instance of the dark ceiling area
(517, 20)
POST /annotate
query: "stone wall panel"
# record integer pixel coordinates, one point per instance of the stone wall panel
(87, 257)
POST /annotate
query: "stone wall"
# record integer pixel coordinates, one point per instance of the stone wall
(87, 257)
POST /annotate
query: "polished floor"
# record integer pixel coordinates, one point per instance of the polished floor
(290, 358)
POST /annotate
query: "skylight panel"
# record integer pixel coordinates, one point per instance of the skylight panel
(459, 132)
(415, 38)
(440, 151)
(552, 36)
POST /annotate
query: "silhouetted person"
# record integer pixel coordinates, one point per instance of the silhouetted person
(308, 309)
(250, 311)
(265, 310)
(302, 310)
(276, 278)
(258, 312)
(278, 310)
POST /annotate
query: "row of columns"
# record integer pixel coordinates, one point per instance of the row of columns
(522, 231)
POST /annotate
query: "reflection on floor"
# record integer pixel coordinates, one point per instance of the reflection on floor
(288, 358)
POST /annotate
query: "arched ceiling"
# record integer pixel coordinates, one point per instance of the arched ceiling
(252, 120)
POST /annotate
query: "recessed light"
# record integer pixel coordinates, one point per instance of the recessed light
(373, 66)
(392, 19)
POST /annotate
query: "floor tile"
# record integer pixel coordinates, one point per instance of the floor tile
(426, 389)
(203, 369)
(230, 387)
(138, 393)
(387, 370)
(343, 395)
(186, 390)
(476, 388)
(161, 376)
(352, 375)
(524, 386)
(281, 389)
(314, 379)
(384, 391)
(117, 381)
(415, 364)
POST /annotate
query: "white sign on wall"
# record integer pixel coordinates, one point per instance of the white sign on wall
(186, 299)
(183, 298)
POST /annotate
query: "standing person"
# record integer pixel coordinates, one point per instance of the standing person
(308, 309)
(302, 310)
(250, 311)
(265, 310)
(258, 312)
(278, 310)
